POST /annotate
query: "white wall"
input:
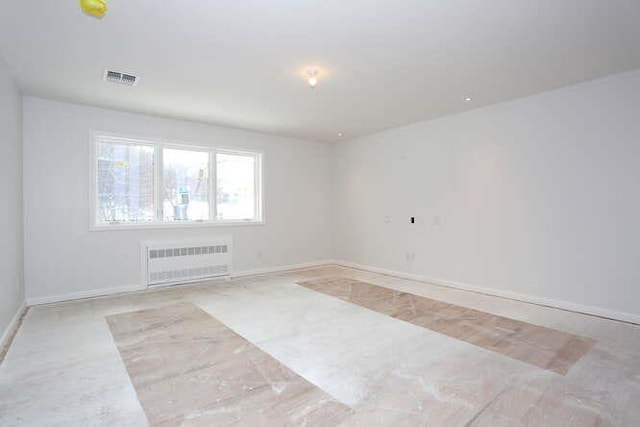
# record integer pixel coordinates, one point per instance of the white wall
(11, 289)
(63, 257)
(539, 196)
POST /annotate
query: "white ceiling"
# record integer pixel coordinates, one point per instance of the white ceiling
(383, 63)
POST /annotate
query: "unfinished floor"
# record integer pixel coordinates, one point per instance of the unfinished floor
(321, 346)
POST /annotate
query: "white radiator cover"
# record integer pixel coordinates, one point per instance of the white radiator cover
(166, 263)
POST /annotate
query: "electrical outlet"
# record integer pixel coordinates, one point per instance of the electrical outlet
(410, 257)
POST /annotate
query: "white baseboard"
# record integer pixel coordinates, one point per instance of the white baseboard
(12, 326)
(279, 269)
(136, 288)
(84, 294)
(553, 303)
(563, 305)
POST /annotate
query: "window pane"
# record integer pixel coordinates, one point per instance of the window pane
(186, 185)
(125, 183)
(236, 190)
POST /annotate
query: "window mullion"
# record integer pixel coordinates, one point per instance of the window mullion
(257, 197)
(213, 186)
(159, 197)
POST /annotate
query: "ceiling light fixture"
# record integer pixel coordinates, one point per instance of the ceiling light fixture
(340, 134)
(468, 98)
(312, 78)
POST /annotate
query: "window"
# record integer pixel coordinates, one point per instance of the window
(236, 186)
(185, 182)
(140, 183)
(126, 182)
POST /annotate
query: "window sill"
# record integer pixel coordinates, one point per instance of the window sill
(161, 226)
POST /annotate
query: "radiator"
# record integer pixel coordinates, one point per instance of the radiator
(186, 261)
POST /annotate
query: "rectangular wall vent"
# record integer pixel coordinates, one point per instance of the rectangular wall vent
(187, 251)
(122, 78)
(188, 261)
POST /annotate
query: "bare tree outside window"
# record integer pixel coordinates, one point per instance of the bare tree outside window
(125, 183)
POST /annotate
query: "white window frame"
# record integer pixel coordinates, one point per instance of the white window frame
(159, 145)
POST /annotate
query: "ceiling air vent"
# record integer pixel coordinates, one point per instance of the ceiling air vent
(122, 78)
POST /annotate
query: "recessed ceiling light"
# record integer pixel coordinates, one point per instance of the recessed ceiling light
(468, 98)
(340, 134)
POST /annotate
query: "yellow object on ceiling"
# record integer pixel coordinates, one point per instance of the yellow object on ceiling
(95, 8)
